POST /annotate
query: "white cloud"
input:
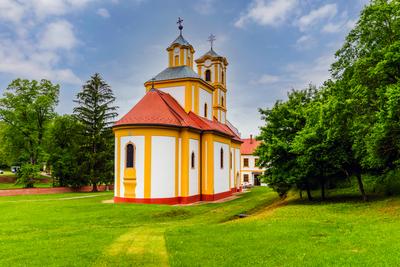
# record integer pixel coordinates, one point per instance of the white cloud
(305, 42)
(323, 12)
(27, 53)
(269, 13)
(102, 12)
(58, 35)
(315, 72)
(22, 60)
(205, 7)
(11, 11)
(340, 26)
(266, 79)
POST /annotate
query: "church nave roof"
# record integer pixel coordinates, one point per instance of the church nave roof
(176, 73)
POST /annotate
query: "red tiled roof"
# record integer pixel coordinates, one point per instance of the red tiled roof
(160, 108)
(249, 146)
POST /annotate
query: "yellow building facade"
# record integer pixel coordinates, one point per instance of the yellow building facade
(176, 144)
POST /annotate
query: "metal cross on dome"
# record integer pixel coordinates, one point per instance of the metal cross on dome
(179, 22)
(211, 39)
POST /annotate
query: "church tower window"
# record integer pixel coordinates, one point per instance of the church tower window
(222, 78)
(208, 75)
(222, 101)
(205, 110)
(222, 158)
(192, 161)
(130, 156)
(176, 61)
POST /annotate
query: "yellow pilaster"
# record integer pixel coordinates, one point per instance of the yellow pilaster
(181, 57)
(171, 57)
(196, 99)
(210, 164)
(147, 166)
(118, 171)
(177, 166)
(185, 163)
(188, 97)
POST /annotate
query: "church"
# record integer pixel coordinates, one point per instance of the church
(176, 145)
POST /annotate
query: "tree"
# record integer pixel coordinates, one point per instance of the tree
(26, 110)
(95, 112)
(63, 146)
(282, 124)
(367, 67)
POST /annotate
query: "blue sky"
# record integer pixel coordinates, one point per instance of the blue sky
(271, 45)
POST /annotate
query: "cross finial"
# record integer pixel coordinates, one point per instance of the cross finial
(179, 22)
(211, 39)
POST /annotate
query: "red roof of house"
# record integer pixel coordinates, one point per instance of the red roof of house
(248, 146)
(160, 108)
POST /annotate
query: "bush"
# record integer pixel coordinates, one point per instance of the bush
(28, 175)
(389, 183)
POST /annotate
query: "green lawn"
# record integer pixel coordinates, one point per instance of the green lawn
(64, 230)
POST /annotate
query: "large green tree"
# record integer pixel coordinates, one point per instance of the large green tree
(63, 144)
(282, 124)
(95, 112)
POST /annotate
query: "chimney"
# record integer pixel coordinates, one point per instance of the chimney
(251, 139)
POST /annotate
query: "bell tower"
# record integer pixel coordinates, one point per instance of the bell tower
(180, 52)
(212, 68)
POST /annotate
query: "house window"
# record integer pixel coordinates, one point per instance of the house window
(192, 161)
(245, 178)
(208, 75)
(222, 158)
(205, 110)
(130, 155)
(245, 162)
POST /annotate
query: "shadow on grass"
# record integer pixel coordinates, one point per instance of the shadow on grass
(337, 198)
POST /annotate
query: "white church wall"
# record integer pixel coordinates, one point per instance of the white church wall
(205, 97)
(237, 166)
(163, 167)
(177, 92)
(221, 175)
(194, 172)
(232, 165)
(138, 141)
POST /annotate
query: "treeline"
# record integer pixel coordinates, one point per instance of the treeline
(76, 149)
(350, 126)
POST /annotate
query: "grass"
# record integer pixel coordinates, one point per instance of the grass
(39, 184)
(77, 229)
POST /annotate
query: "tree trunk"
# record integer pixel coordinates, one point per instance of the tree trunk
(309, 196)
(94, 187)
(361, 186)
(301, 194)
(322, 189)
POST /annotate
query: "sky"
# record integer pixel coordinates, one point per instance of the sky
(272, 46)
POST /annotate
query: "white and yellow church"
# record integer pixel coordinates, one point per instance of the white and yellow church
(176, 144)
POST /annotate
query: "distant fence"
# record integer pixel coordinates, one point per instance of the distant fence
(51, 190)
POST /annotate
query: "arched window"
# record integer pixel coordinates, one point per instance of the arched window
(230, 161)
(222, 101)
(222, 158)
(208, 75)
(222, 77)
(205, 110)
(176, 60)
(130, 155)
(192, 161)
